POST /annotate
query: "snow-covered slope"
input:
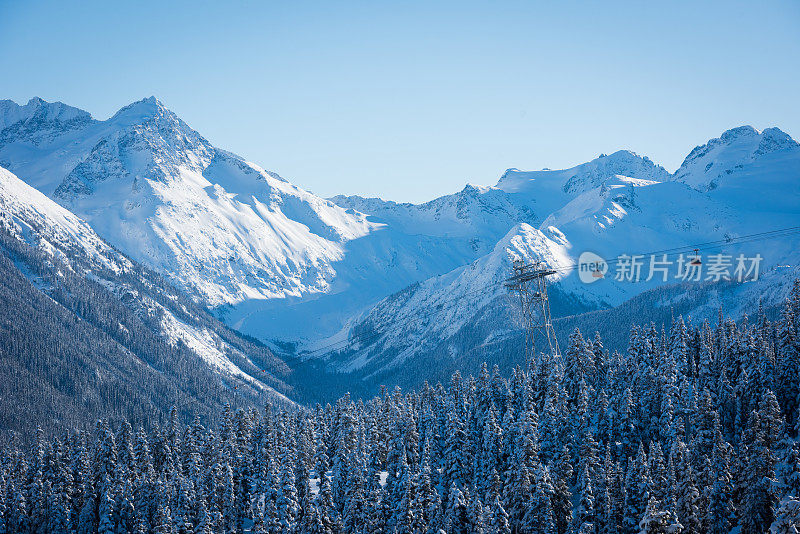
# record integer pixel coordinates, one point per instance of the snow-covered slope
(66, 241)
(28, 214)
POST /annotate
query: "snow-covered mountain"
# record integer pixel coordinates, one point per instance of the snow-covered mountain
(759, 171)
(600, 208)
(218, 226)
(64, 259)
(264, 253)
(281, 264)
(551, 189)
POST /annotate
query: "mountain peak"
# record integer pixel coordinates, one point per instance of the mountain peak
(745, 132)
(54, 110)
(777, 137)
(141, 111)
(620, 154)
(625, 158)
(738, 132)
(745, 140)
(149, 102)
(708, 166)
(580, 178)
(143, 139)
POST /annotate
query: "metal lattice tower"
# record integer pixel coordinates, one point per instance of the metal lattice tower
(530, 282)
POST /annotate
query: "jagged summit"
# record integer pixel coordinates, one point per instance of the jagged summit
(39, 112)
(149, 102)
(142, 142)
(590, 174)
(740, 131)
(743, 138)
(748, 132)
(548, 190)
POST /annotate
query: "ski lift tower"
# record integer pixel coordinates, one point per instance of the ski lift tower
(529, 280)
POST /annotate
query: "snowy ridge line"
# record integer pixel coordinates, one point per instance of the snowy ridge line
(450, 303)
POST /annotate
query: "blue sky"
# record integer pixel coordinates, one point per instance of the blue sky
(411, 100)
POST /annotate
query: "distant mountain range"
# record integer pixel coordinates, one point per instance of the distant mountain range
(369, 286)
(744, 183)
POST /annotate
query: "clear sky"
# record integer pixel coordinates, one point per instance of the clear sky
(411, 100)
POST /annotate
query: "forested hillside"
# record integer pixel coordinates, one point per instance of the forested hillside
(692, 430)
(74, 348)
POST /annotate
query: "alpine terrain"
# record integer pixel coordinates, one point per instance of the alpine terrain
(371, 289)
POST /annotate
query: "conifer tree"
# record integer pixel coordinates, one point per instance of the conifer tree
(656, 520)
(498, 518)
(636, 491)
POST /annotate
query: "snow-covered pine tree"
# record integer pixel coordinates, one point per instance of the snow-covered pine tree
(656, 520)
